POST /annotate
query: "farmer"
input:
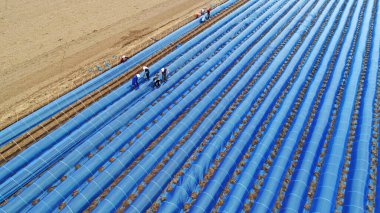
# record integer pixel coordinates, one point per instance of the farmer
(146, 73)
(156, 81)
(164, 74)
(203, 11)
(203, 15)
(123, 59)
(135, 81)
(209, 13)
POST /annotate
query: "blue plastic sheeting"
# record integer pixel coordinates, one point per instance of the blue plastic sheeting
(99, 120)
(56, 106)
(131, 181)
(181, 192)
(95, 180)
(78, 203)
(274, 66)
(126, 185)
(130, 153)
(135, 127)
(179, 196)
(204, 200)
(164, 176)
(297, 190)
(157, 184)
(276, 174)
(357, 182)
(296, 57)
(356, 186)
(84, 149)
(326, 194)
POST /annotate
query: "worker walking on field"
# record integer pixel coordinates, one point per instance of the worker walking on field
(164, 74)
(146, 73)
(135, 81)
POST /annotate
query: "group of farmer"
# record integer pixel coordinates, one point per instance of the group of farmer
(157, 79)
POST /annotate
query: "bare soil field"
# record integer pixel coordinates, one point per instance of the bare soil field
(49, 46)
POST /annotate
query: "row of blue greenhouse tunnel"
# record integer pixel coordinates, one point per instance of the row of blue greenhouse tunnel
(275, 107)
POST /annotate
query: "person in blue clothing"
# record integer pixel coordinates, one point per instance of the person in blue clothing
(135, 81)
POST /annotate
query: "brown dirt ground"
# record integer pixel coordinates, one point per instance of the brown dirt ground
(48, 46)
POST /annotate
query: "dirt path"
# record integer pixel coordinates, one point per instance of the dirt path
(51, 49)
